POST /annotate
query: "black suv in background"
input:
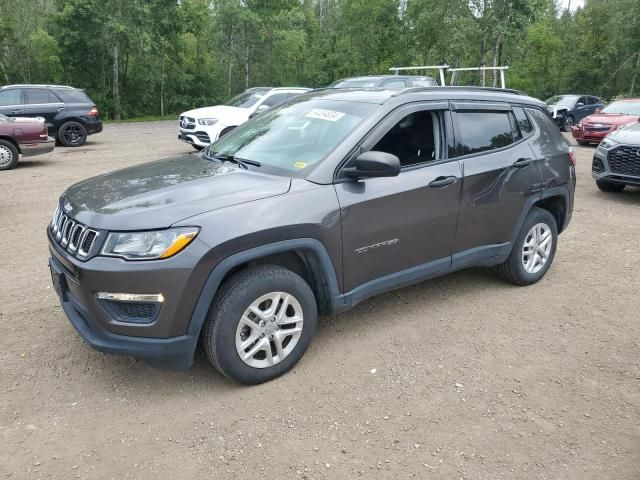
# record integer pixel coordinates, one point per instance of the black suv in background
(312, 206)
(69, 113)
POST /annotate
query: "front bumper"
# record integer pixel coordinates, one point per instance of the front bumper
(198, 138)
(37, 148)
(604, 170)
(582, 135)
(164, 341)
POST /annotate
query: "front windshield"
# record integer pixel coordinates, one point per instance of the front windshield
(247, 99)
(564, 100)
(364, 83)
(294, 137)
(623, 108)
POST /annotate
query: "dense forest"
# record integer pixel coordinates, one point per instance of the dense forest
(154, 57)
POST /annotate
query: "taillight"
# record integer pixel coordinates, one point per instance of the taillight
(94, 111)
(572, 157)
(45, 132)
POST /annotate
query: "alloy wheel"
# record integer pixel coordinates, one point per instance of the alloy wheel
(6, 156)
(269, 330)
(537, 248)
(73, 134)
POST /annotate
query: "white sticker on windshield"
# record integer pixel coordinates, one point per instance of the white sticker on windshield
(329, 115)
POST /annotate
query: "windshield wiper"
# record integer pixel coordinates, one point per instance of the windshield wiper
(223, 157)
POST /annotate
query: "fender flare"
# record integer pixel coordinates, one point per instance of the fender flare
(218, 273)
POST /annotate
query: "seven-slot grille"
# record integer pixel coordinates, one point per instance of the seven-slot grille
(625, 160)
(76, 238)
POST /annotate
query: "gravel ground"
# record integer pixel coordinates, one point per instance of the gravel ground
(463, 377)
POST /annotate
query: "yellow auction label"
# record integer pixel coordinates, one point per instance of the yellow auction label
(300, 164)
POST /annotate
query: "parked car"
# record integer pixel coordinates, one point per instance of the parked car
(568, 110)
(314, 206)
(69, 113)
(616, 162)
(202, 126)
(391, 82)
(22, 136)
(594, 128)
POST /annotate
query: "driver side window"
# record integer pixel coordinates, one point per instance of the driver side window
(415, 139)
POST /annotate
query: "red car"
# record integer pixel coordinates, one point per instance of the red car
(26, 136)
(594, 128)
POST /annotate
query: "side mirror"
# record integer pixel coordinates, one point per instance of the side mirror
(374, 164)
(597, 110)
(579, 104)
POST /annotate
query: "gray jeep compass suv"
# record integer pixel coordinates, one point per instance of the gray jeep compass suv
(311, 207)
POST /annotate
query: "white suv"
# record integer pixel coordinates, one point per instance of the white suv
(203, 126)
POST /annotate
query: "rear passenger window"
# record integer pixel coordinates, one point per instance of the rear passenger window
(39, 97)
(523, 121)
(482, 131)
(10, 98)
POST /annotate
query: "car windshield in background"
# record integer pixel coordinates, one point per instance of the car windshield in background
(564, 100)
(247, 99)
(294, 137)
(622, 108)
(356, 83)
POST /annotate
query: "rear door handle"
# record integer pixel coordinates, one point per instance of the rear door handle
(16, 111)
(523, 162)
(443, 182)
(59, 109)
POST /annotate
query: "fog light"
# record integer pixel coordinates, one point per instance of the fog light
(131, 297)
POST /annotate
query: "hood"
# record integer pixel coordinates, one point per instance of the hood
(610, 118)
(159, 194)
(629, 134)
(221, 112)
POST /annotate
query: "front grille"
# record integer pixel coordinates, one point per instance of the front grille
(597, 166)
(625, 160)
(73, 236)
(187, 123)
(602, 128)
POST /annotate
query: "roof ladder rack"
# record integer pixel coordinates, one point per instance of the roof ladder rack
(454, 72)
(440, 68)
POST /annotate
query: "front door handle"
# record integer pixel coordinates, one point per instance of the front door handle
(59, 109)
(443, 182)
(523, 162)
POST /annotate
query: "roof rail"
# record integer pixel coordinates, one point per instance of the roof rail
(458, 88)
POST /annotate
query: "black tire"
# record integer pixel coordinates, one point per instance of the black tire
(568, 123)
(231, 303)
(8, 155)
(72, 134)
(513, 270)
(610, 187)
(583, 143)
(197, 147)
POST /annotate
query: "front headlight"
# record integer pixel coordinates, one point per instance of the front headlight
(607, 144)
(207, 121)
(148, 245)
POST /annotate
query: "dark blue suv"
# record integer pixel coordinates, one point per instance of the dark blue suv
(568, 110)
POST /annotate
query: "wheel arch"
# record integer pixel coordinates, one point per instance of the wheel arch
(557, 204)
(12, 142)
(305, 256)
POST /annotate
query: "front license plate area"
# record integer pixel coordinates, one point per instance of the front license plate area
(59, 284)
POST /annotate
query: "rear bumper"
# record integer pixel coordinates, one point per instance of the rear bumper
(94, 126)
(37, 148)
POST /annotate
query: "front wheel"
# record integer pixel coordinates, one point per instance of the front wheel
(260, 324)
(198, 147)
(534, 249)
(610, 187)
(72, 134)
(8, 155)
(568, 123)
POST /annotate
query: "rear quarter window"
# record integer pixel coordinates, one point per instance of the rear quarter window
(74, 96)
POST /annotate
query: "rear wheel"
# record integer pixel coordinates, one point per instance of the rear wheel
(72, 134)
(533, 251)
(609, 187)
(260, 324)
(8, 155)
